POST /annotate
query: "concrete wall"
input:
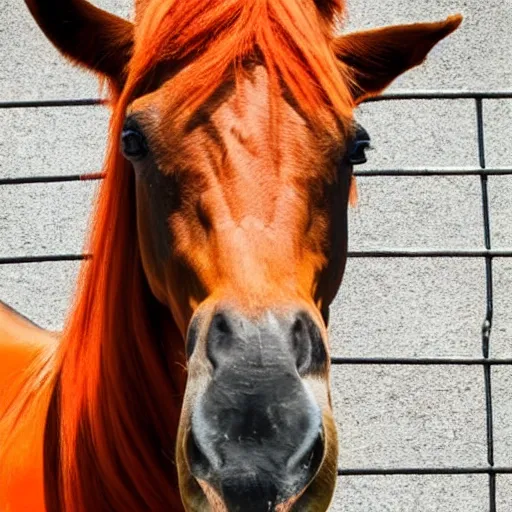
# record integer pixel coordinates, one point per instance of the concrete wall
(388, 416)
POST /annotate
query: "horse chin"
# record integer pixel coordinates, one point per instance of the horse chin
(316, 497)
(199, 496)
(217, 504)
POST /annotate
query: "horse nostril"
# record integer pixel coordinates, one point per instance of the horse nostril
(310, 459)
(220, 339)
(301, 344)
(220, 323)
(308, 345)
(199, 464)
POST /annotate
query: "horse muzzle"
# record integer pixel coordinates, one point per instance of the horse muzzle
(255, 433)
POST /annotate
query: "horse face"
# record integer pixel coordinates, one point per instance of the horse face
(242, 229)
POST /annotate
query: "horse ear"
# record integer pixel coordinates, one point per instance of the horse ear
(376, 57)
(329, 8)
(87, 35)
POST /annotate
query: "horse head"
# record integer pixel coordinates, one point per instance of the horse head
(232, 147)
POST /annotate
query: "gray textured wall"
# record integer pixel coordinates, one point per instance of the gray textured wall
(388, 416)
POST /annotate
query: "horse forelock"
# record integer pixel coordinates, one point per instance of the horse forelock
(201, 41)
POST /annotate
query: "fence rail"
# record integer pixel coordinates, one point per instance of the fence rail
(486, 252)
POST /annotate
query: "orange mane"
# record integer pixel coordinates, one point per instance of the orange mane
(115, 385)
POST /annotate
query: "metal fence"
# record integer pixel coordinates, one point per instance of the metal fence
(488, 253)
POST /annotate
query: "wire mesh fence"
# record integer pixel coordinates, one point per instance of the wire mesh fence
(486, 252)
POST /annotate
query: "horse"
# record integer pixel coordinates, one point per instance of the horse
(192, 372)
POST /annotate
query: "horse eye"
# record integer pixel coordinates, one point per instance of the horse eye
(360, 144)
(133, 144)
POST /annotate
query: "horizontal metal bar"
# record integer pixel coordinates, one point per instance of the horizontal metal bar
(440, 171)
(418, 361)
(52, 103)
(399, 95)
(432, 253)
(43, 259)
(380, 253)
(25, 180)
(441, 95)
(425, 471)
